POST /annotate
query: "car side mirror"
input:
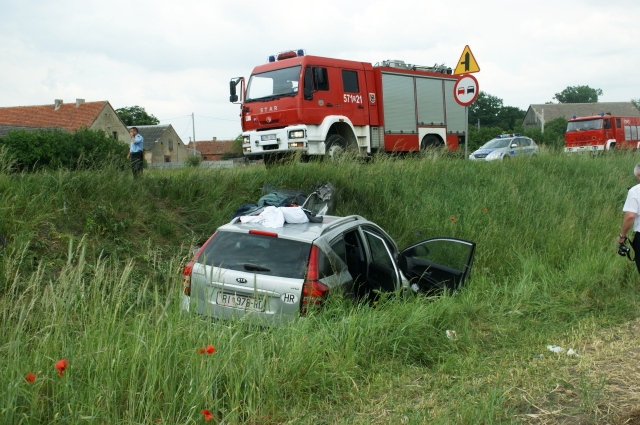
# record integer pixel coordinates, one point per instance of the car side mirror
(308, 84)
(514, 145)
(233, 96)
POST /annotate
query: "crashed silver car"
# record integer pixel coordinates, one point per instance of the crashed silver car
(276, 274)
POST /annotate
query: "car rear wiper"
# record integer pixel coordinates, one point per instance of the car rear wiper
(255, 268)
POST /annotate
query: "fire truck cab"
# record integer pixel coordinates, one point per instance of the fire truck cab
(324, 106)
(602, 132)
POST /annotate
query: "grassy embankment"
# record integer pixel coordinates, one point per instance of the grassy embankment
(92, 274)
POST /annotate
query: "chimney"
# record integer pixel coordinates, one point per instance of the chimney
(79, 102)
(214, 139)
(57, 104)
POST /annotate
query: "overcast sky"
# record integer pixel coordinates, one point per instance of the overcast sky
(175, 58)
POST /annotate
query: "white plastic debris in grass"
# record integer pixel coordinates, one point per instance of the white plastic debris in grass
(555, 349)
(571, 352)
(451, 334)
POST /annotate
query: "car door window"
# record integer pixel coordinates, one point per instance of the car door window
(382, 273)
(438, 263)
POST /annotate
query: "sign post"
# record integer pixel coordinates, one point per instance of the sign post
(465, 92)
(466, 65)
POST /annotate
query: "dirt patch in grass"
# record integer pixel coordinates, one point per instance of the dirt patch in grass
(602, 388)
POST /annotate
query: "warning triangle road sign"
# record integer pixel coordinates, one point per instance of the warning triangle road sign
(467, 63)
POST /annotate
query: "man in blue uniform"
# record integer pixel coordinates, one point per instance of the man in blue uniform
(135, 151)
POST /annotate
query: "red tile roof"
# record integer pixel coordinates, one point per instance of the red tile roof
(208, 147)
(46, 116)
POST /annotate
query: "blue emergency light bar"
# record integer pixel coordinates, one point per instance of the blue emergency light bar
(504, 136)
(286, 55)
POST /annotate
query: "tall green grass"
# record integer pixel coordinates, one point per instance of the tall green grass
(92, 275)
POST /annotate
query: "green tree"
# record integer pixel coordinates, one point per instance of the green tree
(578, 94)
(490, 112)
(636, 103)
(136, 115)
(236, 149)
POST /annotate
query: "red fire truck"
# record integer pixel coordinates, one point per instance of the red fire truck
(602, 132)
(323, 106)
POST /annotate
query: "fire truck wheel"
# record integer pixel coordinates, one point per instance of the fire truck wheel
(430, 141)
(336, 146)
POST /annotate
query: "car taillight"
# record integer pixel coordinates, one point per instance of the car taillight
(186, 274)
(314, 292)
(186, 279)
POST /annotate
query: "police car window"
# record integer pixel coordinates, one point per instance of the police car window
(350, 82)
(525, 142)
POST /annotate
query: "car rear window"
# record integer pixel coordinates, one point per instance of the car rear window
(257, 254)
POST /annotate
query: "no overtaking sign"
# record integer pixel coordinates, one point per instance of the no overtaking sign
(466, 89)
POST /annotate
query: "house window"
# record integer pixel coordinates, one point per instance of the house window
(115, 135)
(170, 144)
(167, 158)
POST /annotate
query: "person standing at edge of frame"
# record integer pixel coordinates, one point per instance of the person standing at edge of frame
(135, 151)
(631, 211)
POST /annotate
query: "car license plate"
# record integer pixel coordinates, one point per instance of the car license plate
(240, 301)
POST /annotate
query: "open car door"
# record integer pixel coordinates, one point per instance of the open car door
(437, 263)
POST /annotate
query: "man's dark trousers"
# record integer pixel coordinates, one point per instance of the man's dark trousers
(136, 163)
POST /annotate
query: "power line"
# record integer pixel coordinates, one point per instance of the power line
(167, 119)
(214, 118)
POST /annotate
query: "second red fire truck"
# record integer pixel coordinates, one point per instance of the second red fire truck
(324, 106)
(602, 132)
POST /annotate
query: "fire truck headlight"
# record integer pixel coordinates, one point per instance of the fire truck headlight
(245, 139)
(296, 134)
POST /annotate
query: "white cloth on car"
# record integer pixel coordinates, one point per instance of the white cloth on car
(274, 217)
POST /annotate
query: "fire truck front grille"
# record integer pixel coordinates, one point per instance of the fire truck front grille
(269, 147)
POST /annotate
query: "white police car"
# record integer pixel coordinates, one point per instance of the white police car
(505, 146)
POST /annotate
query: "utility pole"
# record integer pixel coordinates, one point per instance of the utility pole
(193, 125)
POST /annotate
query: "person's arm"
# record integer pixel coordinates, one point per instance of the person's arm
(138, 140)
(627, 222)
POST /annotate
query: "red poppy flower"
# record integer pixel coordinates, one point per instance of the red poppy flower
(30, 377)
(210, 349)
(201, 350)
(61, 366)
(485, 210)
(453, 219)
(207, 415)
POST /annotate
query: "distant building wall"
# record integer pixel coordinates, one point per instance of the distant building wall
(109, 122)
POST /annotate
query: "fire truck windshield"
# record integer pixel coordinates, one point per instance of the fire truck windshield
(273, 84)
(584, 125)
